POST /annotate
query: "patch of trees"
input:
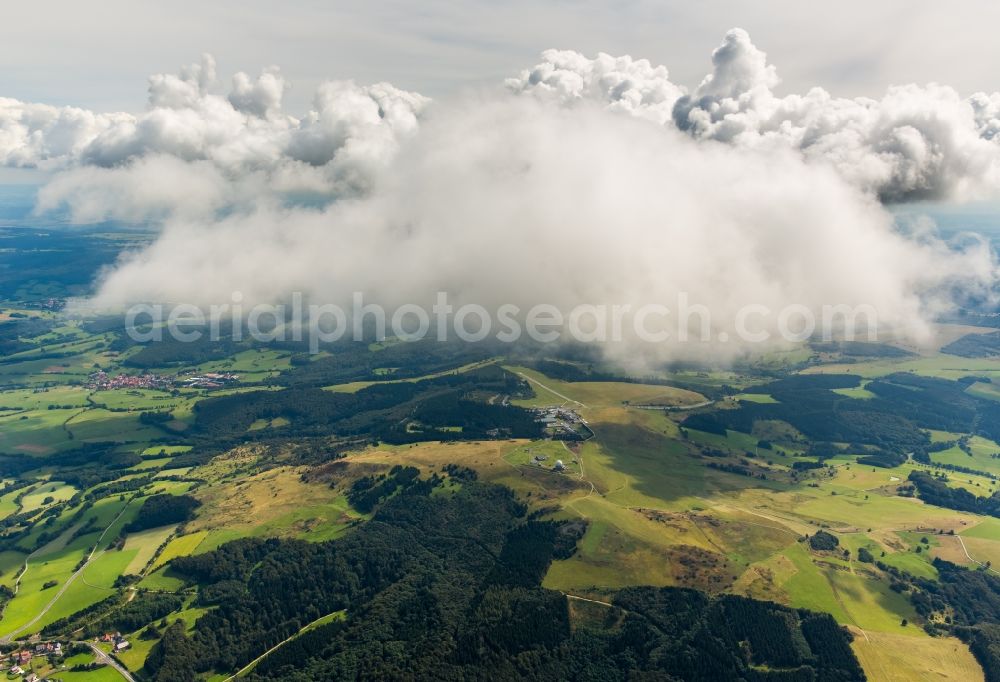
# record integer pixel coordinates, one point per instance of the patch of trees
(737, 469)
(82, 467)
(174, 657)
(527, 552)
(823, 450)
(434, 409)
(232, 561)
(147, 607)
(575, 372)
(891, 421)
(309, 645)
(6, 594)
(220, 592)
(118, 487)
(984, 642)
(116, 614)
(78, 619)
(961, 601)
(476, 420)
(447, 587)
(104, 324)
(823, 541)
(934, 490)
(14, 332)
(460, 473)
(884, 459)
(163, 510)
(923, 458)
(932, 403)
(291, 583)
(354, 361)
(975, 346)
(155, 418)
(171, 352)
(368, 491)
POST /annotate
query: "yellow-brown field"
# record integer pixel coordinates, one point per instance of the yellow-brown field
(899, 658)
(658, 515)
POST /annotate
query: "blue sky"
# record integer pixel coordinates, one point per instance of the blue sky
(98, 56)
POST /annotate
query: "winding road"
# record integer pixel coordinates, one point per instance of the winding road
(969, 556)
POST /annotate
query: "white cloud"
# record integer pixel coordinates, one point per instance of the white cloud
(520, 200)
(916, 142)
(581, 181)
(152, 187)
(629, 85)
(334, 149)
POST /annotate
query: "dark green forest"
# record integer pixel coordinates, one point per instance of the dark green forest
(892, 421)
(444, 583)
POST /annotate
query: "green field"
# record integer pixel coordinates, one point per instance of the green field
(182, 545)
(551, 451)
(46, 494)
(941, 366)
(144, 544)
(103, 674)
(664, 504)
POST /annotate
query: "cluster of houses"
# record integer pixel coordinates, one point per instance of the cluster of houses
(562, 422)
(20, 660)
(118, 642)
(102, 381)
(210, 380)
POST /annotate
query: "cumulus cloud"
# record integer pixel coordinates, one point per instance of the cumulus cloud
(917, 142)
(632, 86)
(516, 200)
(150, 188)
(581, 181)
(334, 149)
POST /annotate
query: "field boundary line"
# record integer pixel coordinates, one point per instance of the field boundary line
(90, 557)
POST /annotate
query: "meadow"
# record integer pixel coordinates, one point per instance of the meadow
(663, 504)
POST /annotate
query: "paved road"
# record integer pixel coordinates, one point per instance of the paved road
(674, 408)
(104, 658)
